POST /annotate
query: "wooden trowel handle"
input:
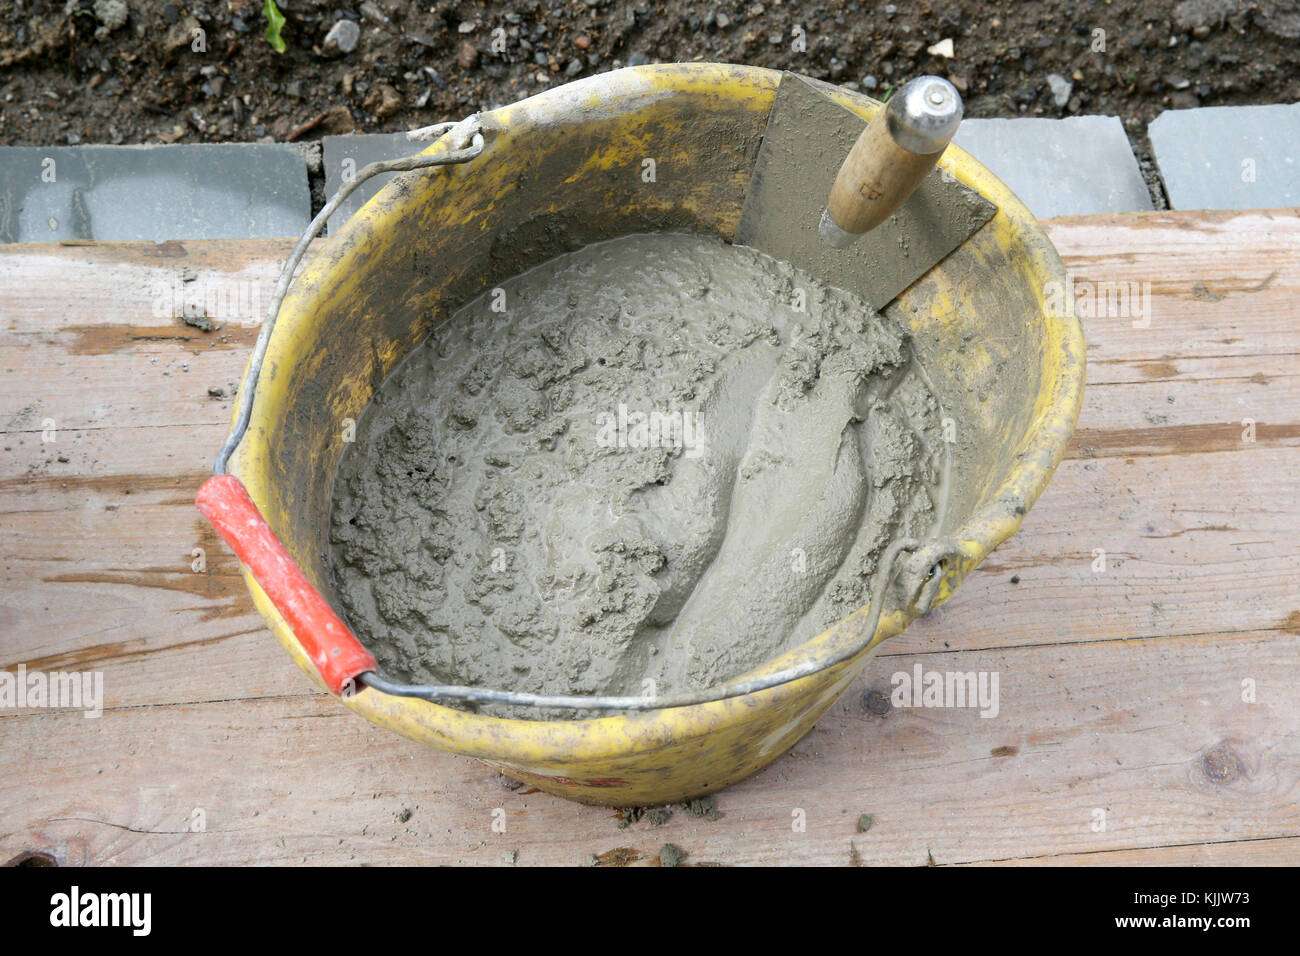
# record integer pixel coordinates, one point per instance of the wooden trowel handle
(893, 155)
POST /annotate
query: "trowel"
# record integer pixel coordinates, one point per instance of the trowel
(861, 205)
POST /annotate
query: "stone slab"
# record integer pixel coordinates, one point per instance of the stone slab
(1080, 165)
(225, 191)
(1229, 157)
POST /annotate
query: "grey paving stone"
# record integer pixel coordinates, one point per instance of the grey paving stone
(1229, 157)
(347, 154)
(1074, 166)
(152, 192)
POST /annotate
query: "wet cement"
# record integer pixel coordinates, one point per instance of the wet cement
(659, 458)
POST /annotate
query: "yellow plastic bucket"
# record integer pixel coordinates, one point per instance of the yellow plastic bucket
(558, 171)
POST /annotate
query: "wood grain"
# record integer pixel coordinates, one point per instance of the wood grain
(1121, 691)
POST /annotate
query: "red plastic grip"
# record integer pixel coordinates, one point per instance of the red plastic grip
(334, 650)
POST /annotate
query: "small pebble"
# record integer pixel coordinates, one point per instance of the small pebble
(342, 38)
(1060, 87)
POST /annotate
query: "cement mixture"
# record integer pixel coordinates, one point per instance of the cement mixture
(660, 458)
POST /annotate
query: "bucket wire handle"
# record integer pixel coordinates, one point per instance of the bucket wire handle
(341, 659)
(334, 650)
(468, 133)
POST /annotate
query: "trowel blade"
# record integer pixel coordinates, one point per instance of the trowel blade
(808, 136)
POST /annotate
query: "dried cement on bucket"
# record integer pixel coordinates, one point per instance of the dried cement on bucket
(659, 458)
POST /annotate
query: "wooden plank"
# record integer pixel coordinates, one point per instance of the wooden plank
(99, 572)
(125, 381)
(1223, 284)
(1189, 549)
(1153, 733)
(96, 570)
(87, 359)
(1279, 851)
(1220, 343)
(1209, 409)
(1125, 697)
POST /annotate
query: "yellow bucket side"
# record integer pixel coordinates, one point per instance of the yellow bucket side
(663, 755)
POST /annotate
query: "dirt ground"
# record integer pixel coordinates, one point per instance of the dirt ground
(126, 71)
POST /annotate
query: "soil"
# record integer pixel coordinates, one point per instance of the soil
(661, 459)
(123, 71)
